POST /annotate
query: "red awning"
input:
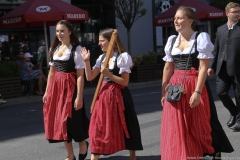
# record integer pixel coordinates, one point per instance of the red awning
(204, 12)
(33, 13)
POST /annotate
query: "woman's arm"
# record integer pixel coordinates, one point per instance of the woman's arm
(167, 74)
(90, 73)
(50, 74)
(80, 85)
(202, 75)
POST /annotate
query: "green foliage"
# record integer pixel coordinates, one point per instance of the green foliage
(150, 58)
(8, 69)
(137, 59)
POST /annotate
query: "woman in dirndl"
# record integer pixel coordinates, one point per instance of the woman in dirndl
(64, 111)
(114, 125)
(190, 127)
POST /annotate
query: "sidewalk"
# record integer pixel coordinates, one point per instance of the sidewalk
(86, 91)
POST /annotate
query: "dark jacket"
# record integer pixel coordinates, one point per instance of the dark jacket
(227, 44)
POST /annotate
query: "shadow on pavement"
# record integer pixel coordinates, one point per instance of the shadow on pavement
(138, 157)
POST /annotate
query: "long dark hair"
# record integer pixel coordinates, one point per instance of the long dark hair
(107, 33)
(73, 38)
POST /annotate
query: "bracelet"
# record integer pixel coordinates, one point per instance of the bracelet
(79, 95)
(85, 60)
(197, 91)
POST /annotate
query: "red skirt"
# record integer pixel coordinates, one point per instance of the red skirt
(59, 105)
(107, 124)
(186, 131)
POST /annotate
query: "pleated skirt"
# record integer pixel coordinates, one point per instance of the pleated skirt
(191, 133)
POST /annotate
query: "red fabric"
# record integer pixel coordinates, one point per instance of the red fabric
(186, 131)
(59, 105)
(33, 13)
(108, 125)
(203, 11)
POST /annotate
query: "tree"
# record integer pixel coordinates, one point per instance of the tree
(128, 11)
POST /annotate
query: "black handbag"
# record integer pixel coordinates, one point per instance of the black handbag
(175, 91)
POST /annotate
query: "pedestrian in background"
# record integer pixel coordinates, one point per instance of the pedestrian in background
(64, 111)
(190, 128)
(226, 62)
(114, 125)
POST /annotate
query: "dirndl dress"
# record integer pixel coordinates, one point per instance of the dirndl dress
(114, 125)
(191, 133)
(61, 121)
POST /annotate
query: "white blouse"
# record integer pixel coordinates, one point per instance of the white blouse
(78, 59)
(124, 62)
(204, 47)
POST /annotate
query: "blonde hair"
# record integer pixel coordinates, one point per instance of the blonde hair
(231, 5)
(189, 12)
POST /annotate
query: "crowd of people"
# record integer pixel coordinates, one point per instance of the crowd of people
(189, 127)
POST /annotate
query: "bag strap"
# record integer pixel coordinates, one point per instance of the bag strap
(188, 61)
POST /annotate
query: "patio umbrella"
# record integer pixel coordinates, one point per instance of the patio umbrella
(42, 13)
(203, 11)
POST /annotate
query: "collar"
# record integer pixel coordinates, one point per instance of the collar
(232, 25)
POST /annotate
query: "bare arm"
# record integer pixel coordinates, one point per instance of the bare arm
(78, 104)
(202, 75)
(90, 73)
(50, 74)
(167, 74)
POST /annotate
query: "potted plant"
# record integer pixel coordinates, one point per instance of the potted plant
(10, 84)
(145, 67)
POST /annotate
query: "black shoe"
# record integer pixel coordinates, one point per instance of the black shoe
(236, 127)
(217, 156)
(231, 121)
(83, 156)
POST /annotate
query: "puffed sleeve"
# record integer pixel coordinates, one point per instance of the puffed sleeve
(204, 46)
(98, 62)
(124, 62)
(78, 59)
(167, 49)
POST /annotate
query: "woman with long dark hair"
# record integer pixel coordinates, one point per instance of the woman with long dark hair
(64, 111)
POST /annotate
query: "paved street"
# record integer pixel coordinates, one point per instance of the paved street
(22, 137)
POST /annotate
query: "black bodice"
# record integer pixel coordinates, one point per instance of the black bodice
(65, 66)
(180, 61)
(114, 71)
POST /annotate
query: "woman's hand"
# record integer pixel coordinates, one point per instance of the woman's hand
(44, 99)
(194, 99)
(105, 71)
(78, 104)
(85, 53)
(162, 100)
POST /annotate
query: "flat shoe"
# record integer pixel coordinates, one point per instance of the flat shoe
(83, 156)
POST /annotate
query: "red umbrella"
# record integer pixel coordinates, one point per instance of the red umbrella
(39, 13)
(204, 12)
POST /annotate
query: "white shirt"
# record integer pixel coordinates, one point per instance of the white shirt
(124, 62)
(204, 47)
(78, 59)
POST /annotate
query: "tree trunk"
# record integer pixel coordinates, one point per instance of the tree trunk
(129, 40)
